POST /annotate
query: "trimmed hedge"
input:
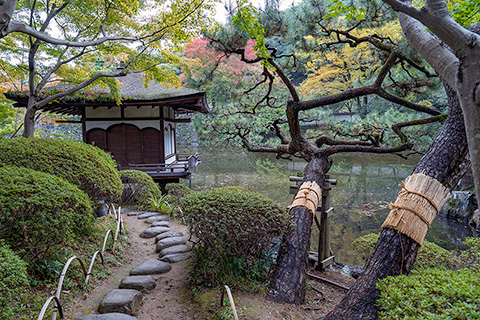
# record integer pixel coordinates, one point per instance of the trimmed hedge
(41, 213)
(235, 228)
(178, 190)
(137, 186)
(430, 255)
(88, 167)
(13, 281)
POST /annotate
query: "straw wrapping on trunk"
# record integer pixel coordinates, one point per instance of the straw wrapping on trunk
(308, 195)
(416, 206)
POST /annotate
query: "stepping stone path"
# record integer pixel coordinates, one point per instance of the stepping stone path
(122, 301)
(181, 248)
(120, 304)
(107, 316)
(148, 215)
(153, 231)
(134, 213)
(144, 284)
(151, 266)
(177, 257)
(168, 234)
(156, 218)
(169, 242)
(161, 224)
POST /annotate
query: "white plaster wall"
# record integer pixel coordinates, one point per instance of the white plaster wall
(102, 112)
(142, 112)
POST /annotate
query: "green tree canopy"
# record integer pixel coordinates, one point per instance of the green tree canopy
(67, 42)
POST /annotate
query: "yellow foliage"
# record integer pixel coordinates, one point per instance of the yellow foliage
(344, 67)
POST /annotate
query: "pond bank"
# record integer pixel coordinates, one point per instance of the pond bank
(366, 185)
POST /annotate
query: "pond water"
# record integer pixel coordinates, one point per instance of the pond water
(366, 184)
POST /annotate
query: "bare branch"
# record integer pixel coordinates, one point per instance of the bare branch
(367, 149)
(398, 126)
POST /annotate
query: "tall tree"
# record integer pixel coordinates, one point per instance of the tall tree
(59, 41)
(289, 280)
(453, 52)
(456, 63)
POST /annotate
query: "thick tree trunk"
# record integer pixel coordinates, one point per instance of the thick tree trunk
(29, 121)
(395, 253)
(289, 279)
(468, 89)
(6, 12)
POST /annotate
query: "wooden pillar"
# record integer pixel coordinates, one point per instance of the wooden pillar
(325, 256)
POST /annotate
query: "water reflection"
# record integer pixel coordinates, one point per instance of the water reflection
(366, 185)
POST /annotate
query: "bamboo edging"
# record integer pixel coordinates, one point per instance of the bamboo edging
(417, 204)
(87, 274)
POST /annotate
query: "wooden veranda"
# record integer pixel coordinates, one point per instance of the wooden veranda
(182, 166)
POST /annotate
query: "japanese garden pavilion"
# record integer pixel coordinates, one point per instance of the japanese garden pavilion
(140, 132)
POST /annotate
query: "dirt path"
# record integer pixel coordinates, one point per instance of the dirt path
(167, 301)
(164, 302)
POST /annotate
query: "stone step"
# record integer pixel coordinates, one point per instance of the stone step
(177, 257)
(135, 213)
(157, 218)
(182, 248)
(121, 301)
(106, 316)
(146, 215)
(144, 284)
(169, 242)
(151, 266)
(168, 234)
(153, 231)
(161, 224)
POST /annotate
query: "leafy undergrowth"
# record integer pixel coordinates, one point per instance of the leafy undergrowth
(320, 299)
(29, 303)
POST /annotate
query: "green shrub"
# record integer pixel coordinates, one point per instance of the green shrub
(234, 228)
(13, 281)
(88, 167)
(430, 255)
(159, 204)
(41, 213)
(137, 187)
(177, 190)
(470, 258)
(431, 294)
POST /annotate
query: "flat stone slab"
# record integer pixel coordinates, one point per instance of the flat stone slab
(144, 284)
(182, 248)
(177, 257)
(122, 301)
(153, 231)
(151, 266)
(169, 242)
(161, 224)
(146, 215)
(107, 316)
(134, 213)
(157, 218)
(168, 234)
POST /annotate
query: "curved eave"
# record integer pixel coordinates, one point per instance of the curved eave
(196, 102)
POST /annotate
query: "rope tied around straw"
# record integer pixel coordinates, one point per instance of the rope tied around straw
(416, 206)
(418, 214)
(308, 195)
(402, 185)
